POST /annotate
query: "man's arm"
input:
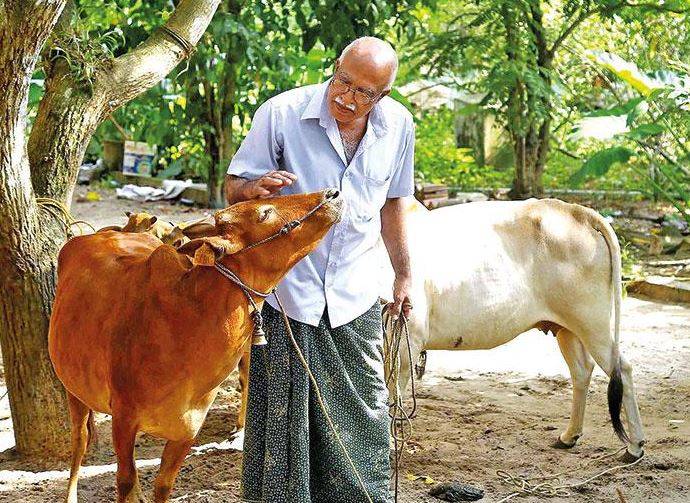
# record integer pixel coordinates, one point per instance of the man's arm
(239, 189)
(394, 234)
(253, 171)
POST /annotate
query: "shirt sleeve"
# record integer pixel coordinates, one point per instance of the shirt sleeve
(402, 184)
(260, 152)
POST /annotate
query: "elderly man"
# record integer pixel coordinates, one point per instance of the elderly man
(344, 133)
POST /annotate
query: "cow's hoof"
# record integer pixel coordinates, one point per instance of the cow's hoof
(628, 457)
(560, 444)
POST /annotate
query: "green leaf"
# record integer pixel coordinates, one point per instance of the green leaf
(599, 164)
(626, 71)
(173, 170)
(645, 130)
(621, 109)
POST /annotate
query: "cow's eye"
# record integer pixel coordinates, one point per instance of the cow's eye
(264, 213)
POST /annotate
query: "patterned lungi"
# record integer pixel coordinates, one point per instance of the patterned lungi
(290, 454)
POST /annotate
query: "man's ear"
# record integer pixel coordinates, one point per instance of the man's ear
(207, 251)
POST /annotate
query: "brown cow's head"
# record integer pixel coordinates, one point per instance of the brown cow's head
(248, 222)
(139, 222)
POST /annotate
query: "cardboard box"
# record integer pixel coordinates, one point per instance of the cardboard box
(138, 158)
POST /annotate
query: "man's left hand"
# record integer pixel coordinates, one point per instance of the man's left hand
(401, 298)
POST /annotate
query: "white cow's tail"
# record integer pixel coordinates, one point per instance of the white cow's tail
(615, 389)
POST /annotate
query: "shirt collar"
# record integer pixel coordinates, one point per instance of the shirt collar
(317, 108)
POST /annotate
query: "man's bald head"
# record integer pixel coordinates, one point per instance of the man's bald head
(373, 55)
(364, 74)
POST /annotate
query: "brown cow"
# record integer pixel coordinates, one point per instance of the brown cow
(144, 333)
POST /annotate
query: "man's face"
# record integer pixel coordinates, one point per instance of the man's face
(354, 90)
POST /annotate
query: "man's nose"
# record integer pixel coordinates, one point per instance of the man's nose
(349, 96)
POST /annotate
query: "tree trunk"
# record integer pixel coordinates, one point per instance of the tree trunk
(66, 120)
(27, 273)
(37, 399)
(531, 136)
(530, 159)
(29, 238)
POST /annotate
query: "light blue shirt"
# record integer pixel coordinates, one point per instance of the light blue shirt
(294, 131)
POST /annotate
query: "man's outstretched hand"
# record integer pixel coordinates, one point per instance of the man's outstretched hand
(268, 185)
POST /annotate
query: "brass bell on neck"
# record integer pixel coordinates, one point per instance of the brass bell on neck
(259, 336)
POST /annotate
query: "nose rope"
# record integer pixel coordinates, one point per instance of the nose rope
(293, 224)
(259, 336)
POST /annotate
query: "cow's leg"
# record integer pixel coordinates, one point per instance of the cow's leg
(124, 436)
(244, 388)
(601, 349)
(79, 419)
(173, 457)
(581, 365)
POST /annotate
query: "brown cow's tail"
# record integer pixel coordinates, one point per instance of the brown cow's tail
(92, 436)
(615, 388)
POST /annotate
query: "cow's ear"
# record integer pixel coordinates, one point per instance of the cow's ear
(207, 251)
(199, 230)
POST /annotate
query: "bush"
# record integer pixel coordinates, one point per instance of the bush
(439, 160)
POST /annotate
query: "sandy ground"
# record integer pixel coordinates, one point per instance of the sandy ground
(479, 412)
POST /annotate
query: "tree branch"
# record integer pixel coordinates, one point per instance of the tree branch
(69, 114)
(611, 8)
(567, 31)
(138, 70)
(20, 41)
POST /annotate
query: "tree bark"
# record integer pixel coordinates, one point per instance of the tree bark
(27, 275)
(531, 138)
(29, 239)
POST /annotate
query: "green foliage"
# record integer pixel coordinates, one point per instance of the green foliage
(251, 51)
(659, 128)
(535, 61)
(439, 160)
(599, 163)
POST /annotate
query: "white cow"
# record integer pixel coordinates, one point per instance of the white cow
(485, 272)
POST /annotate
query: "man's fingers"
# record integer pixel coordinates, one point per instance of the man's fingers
(269, 180)
(394, 309)
(406, 309)
(262, 192)
(287, 174)
(284, 179)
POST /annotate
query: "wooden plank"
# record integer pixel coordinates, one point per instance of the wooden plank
(660, 288)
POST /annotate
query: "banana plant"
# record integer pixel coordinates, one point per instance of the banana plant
(653, 125)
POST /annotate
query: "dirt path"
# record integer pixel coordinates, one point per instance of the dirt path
(480, 412)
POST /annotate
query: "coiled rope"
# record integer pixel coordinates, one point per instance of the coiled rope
(395, 331)
(62, 215)
(551, 485)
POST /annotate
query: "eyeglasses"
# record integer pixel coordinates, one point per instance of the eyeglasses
(361, 96)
